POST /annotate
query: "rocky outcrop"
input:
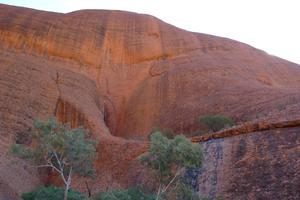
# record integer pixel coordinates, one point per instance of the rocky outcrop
(255, 160)
(122, 74)
(247, 128)
(258, 165)
(126, 54)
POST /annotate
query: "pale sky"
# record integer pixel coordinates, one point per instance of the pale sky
(270, 25)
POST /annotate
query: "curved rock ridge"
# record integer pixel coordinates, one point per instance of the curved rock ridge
(121, 75)
(246, 128)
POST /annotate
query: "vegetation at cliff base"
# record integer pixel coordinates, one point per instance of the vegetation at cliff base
(168, 160)
(60, 148)
(52, 193)
(68, 151)
(125, 194)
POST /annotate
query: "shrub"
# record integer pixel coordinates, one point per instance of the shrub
(168, 132)
(52, 193)
(168, 159)
(216, 122)
(125, 194)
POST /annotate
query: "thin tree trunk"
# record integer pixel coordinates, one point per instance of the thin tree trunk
(88, 189)
(158, 192)
(66, 192)
(172, 180)
(68, 184)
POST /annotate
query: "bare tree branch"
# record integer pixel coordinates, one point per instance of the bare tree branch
(173, 179)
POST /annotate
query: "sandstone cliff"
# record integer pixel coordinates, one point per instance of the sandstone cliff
(122, 74)
(257, 165)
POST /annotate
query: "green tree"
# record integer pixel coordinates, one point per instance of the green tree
(216, 122)
(169, 159)
(58, 147)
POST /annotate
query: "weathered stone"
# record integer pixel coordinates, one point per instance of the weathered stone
(121, 75)
(258, 165)
(246, 128)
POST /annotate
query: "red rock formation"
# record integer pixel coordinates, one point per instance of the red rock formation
(247, 128)
(122, 74)
(258, 165)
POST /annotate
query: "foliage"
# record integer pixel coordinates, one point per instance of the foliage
(52, 193)
(60, 148)
(168, 132)
(184, 191)
(125, 194)
(168, 159)
(217, 122)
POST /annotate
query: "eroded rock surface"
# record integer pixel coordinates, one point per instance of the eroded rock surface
(122, 74)
(258, 165)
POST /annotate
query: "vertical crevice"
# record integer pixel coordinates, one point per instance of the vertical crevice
(67, 113)
(59, 93)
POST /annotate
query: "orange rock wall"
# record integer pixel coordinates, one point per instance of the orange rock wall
(122, 74)
(127, 54)
(258, 165)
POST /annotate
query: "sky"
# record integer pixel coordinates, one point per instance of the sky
(270, 25)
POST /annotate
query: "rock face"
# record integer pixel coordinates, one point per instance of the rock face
(258, 165)
(122, 74)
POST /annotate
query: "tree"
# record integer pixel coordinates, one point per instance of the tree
(62, 149)
(216, 122)
(169, 159)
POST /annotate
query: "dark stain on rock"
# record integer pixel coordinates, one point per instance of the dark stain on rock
(241, 150)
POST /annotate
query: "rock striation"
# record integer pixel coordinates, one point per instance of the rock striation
(121, 75)
(258, 165)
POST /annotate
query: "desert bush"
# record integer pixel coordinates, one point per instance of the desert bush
(125, 194)
(168, 132)
(168, 160)
(216, 122)
(52, 193)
